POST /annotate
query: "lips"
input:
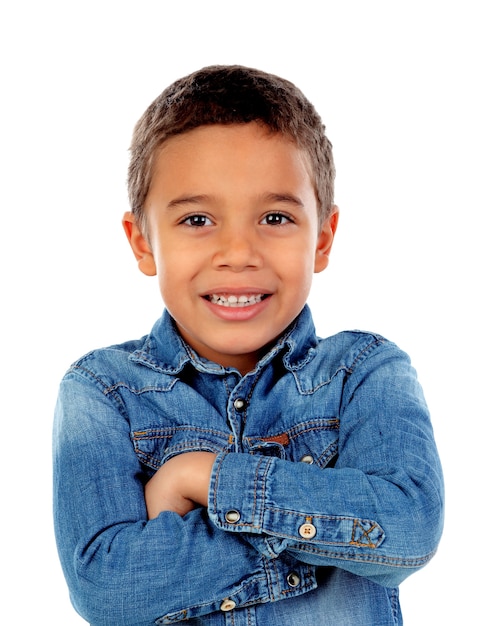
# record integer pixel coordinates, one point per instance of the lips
(236, 301)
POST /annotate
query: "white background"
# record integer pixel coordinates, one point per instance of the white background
(400, 88)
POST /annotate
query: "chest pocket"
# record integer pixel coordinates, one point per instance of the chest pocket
(155, 446)
(314, 441)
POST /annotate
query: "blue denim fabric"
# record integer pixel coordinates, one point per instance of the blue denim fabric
(326, 491)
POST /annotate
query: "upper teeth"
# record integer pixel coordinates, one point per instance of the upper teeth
(235, 300)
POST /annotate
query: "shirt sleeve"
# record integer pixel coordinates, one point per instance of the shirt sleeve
(378, 512)
(121, 568)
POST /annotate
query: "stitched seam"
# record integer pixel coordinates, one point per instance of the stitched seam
(268, 565)
(365, 533)
(86, 373)
(298, 430)
(142, 390)
(139, 435)
(77, 369)
(309, 392)
(369, 348)
(263, 490)
(275, 569)
(369, 558)
(355, 523)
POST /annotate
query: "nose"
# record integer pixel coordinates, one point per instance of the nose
(237, 249)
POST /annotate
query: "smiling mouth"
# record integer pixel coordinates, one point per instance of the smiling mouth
(233, 301)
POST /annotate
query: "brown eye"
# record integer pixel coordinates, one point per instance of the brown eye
(197, 220)
(276, 219)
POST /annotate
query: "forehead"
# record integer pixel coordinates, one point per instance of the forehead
(251, 133)
(233, 149)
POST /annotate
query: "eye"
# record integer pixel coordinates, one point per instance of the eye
(276, 219)
(197, 220)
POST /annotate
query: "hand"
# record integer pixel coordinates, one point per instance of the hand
(180, 485)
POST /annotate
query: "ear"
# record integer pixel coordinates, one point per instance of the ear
(139, 244)
(325, 241)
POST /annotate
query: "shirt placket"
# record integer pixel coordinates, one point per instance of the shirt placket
(237, 408)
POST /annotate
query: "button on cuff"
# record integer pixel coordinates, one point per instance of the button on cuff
(293, 579)
(227, 605)
(232, 517)
(307, 531)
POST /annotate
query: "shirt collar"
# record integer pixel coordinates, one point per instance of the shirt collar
(165, 351)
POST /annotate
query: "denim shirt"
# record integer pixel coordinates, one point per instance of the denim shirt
(325, 494)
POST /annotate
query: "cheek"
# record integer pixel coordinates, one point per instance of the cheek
(169, 277)
(297, 274)
(175, 272)
(300, 260)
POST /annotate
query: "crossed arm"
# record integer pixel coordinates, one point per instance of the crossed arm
(180, 485)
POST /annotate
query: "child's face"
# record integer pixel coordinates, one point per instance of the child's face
(232, 234)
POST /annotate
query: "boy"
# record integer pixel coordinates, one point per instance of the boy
(231, 467)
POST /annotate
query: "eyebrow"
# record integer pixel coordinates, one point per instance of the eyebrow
(283, 197)
(268, 197)
(177, 202)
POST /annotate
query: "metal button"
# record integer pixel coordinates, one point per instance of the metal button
(307, 459)
(307, 531)
(293, 579)
(240, 404)
(232, 517)
(228, 605)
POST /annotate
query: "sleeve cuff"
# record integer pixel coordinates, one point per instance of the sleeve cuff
(241, 499)
(237, 492)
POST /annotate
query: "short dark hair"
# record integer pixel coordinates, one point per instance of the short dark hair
(230, 95)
